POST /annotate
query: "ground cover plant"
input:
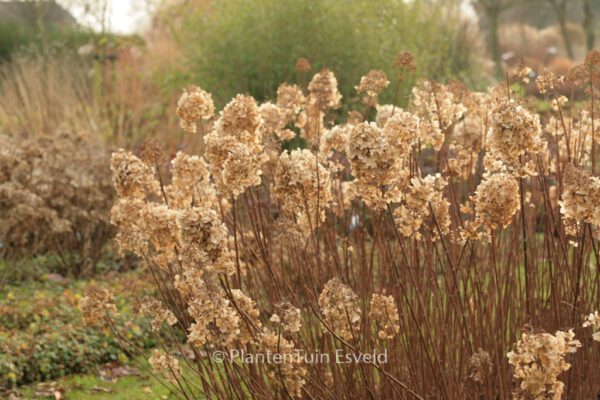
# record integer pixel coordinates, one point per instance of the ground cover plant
(447, 249)
(43, 337)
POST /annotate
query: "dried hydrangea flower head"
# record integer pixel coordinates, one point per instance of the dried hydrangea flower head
(496, 200)
(480, 366)
(323, 89)
(273, 122)
(422, 196)
(548, 81)
(194, 104)
(438, 109)
(593, 320)
(374, 164)
(221, 320)
(523, 73)
(166, 366)
(311, 123)
(591, 68)
(291, 100)
(340, 309)
(405, 61)
(287, 317)
(303, 65)
(402, 131)
(233, 149)
(273, 129)
(241, 119)
(593, 58)
(126, 216)
(150, 152)
(156, 312)
(384, 314)
(514, 133)
(355, 117)
(292, 369)
(303, 186)
(580, 197)
(160, 224)
(469, 132)
(335, 138)
(191, 184)
(576, 141)
(216, 320)
(288, 233)
(203, 241)
(131, 176)
(250, 314)
(371, 85)
(384, 112)
(97, 305)
(538, 360)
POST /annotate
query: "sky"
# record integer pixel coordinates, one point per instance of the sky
(124, 16)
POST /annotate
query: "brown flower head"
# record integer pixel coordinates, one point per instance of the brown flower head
(194, 104)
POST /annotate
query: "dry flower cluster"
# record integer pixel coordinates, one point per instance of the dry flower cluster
(449, 235)
(55, 196)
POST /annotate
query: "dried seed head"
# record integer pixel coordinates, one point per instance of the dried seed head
(155, 311)
(166, 366)
(580, 197)
(302, 65)
(131, 176)
(538, 360)
(194, 104)
(204, 241)
(593, 58)
(593, 320)
(273, 122)
(290, 99)
(513, 134)
(97, 305)
(292, 369)
(497, 200)
(384, 314)
(303, 186)
(548, 81)
(480, 366)
(323, 90)
(150, 152)
(287, 317)
(240, 118)
(405, 61)
(371, 85)
(340, 309)
(233, 149)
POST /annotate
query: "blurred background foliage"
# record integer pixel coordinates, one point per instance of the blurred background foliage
(233, 46)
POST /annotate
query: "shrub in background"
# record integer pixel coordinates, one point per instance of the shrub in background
(55, 194)
(55, 189)
(239, 46)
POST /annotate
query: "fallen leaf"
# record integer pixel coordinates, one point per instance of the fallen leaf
(100, 389)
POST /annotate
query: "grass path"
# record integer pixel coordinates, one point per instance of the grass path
(91, 387)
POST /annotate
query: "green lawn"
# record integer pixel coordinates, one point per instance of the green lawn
(84, 387)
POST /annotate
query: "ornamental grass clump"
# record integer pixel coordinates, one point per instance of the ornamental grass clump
(383, 252)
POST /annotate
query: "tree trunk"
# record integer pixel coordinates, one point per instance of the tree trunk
(588, 24)
(560, 11)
